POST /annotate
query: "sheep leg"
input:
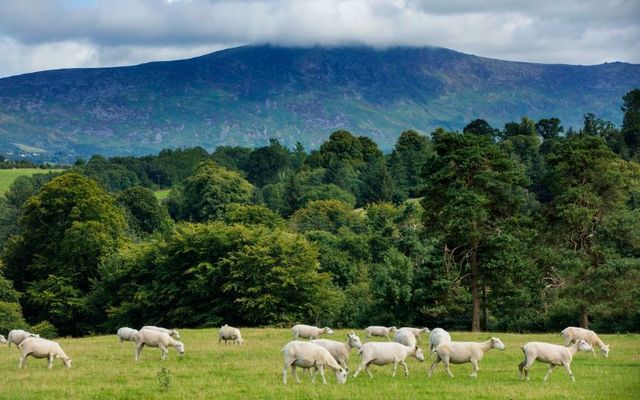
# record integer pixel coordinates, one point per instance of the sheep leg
(567, 366)
(395, 366)
(321, 368)
(368, 371)
(137, 351)
(50, 361)
(549, 371)
(446, 366)
(294, 372)
(434, 365)
(163, 353)
(23, 360)
(521, 367)
(362, 365)
(406, 368)
(474, 369)
(314, 372)
(284, 374)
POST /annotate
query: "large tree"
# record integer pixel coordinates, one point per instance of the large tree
(472, 187)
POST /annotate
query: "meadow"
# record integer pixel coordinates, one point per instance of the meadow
(7, 176)
(104, 369)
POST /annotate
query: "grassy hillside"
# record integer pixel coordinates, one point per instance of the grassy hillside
(246, 95)
(103, 369)
(7, 176)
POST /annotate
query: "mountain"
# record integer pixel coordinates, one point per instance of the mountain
(246, 95)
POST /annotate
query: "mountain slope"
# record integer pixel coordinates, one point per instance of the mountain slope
(248, 94)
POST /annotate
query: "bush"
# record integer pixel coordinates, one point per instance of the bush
(45, 329)
(11, 317)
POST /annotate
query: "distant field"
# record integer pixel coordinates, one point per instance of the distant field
(7, 176)
(162, 194)
(104, 369)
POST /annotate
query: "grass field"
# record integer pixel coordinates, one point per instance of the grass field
(104, 369)
(7, 176)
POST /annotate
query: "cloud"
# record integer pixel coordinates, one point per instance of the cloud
(56, 33)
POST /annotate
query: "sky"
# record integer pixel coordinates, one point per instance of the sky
(47, 34)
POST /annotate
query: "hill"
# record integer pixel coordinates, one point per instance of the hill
(245, 95)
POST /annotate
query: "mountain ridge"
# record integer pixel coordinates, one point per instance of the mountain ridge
(246, 95)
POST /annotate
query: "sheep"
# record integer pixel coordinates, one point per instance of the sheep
(381, 331)
(406, 337)
(42, 348)
(573, 333)
(18, 335)
(127, 334)
(383, 353)
(310, 355)
(2, 340)
(153, 338)
(437, 336)
(464, 352)
(171, 332)
(229, 333)
(341, 351)
(417, 332)
(551, 354)
(309, 332)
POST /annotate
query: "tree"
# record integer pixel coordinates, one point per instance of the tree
(203, 195)
(144, 212)
(631, 121)
(472, 188)
(549, 128)
(481, 127)
(66, 230)
(325, 215)
(409, 155)
(267, 164)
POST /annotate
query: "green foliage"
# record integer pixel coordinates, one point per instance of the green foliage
(631, 122)
(164, 379)
(409, 156)
(45, 329)
(145, 214)
(235, 213)
(204, 195)
(267, 164)
(325, 215)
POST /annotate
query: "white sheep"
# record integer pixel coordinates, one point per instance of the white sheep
(2, 340)
(437, 336)
(42, 348)
(406, 337)
(171, 332)
(417, 332)
(18, 335)
(551, 354)
(229, 333)
(310, 355)
(573, 333)
(127, 334)
(153, 338)
(381, 331)
(464, 352)
(384, 353)
(309, 332)
(339, 350)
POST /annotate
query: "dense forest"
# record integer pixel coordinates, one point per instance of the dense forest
(523, 228)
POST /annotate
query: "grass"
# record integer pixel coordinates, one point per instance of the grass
(7, 176)
(104, 369)
(162, 194)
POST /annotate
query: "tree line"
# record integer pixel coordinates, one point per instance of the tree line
(524, 228)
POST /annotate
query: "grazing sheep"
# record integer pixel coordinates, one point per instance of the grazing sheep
(153, 338)
(573, 333)
(417, 332)
(2, 340)
(464, 352)
(406, 337)
(310, 355)
(18, 335)
(383, 353)
(309, 332)
(381, 331)
(42, 348)
(551, 354)
(436, 337)
(340, 351)
(127, 334)
(229, 333)
(171, 332)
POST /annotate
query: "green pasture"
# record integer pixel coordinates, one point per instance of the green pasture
(7, 176)
(104, 369)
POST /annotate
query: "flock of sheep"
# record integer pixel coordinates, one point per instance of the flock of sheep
(318, 354)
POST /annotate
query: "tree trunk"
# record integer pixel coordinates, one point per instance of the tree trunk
(475, 292)
(584, 319)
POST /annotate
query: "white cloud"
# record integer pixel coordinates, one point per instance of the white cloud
(55, 33)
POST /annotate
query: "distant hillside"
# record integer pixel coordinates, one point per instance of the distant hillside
(245, 95)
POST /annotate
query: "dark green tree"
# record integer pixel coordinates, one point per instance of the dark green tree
(145, 214)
